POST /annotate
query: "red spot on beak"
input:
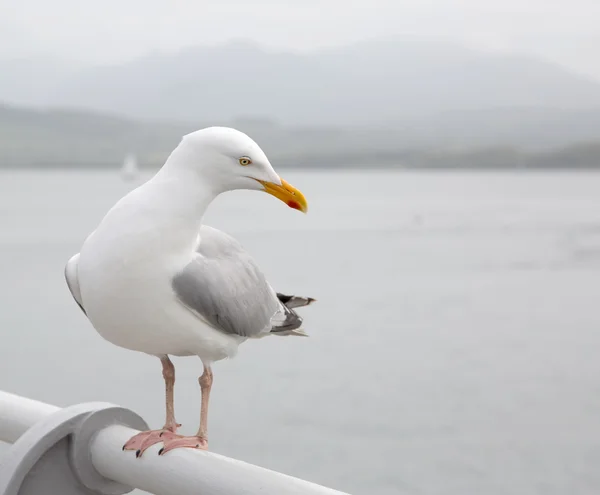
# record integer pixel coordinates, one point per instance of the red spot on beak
(293, 204)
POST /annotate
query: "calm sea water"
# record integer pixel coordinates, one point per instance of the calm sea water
(455, 344)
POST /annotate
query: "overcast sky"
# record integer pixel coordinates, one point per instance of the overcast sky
(564, 31)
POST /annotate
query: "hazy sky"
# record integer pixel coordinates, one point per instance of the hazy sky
(565, 31)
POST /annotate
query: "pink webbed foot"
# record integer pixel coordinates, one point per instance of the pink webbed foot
(146, 439)
(178, 442)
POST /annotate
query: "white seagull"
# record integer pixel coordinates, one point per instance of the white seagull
(152, 278)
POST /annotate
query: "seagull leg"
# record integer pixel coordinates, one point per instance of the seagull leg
(169, 376)
(146, 439)
(200, 440)
(205, 381)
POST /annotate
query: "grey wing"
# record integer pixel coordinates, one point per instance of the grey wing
(73, 280)
(225, 288)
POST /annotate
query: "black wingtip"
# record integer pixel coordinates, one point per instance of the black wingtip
(293, 302)
(284, 298)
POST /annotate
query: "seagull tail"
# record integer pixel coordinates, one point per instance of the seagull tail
(292, 323)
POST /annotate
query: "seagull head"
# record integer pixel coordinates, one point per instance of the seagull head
(228, 159)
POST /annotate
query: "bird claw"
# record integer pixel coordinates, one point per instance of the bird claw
(146, 439)
(177, 442)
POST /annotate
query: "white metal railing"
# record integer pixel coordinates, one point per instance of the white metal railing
(79, 448)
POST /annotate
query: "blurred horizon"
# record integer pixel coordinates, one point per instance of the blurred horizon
(393, 102)
(436, 84)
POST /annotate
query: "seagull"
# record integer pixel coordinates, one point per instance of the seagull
(153, 278)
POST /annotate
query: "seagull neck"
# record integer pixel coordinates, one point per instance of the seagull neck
(182, 200)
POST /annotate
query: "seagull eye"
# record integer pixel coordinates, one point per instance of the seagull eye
(245, 161)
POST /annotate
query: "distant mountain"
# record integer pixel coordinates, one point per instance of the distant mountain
(522, 127)
(391, 82)
(80, 139)
(506, 138)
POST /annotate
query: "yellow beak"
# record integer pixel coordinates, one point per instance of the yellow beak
(286, 193)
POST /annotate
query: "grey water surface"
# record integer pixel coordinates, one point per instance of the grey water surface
(454, 350)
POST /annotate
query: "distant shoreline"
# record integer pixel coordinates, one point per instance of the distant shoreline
(318, 166)
(54, 139)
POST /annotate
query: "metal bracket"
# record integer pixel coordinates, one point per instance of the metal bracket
(53, 456)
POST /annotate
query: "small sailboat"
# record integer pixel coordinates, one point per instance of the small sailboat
(130, 170)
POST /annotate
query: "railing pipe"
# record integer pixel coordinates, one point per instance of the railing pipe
(78, 449)
(18, 414)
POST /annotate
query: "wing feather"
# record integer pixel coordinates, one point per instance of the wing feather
(73, 280)
(225, 288)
